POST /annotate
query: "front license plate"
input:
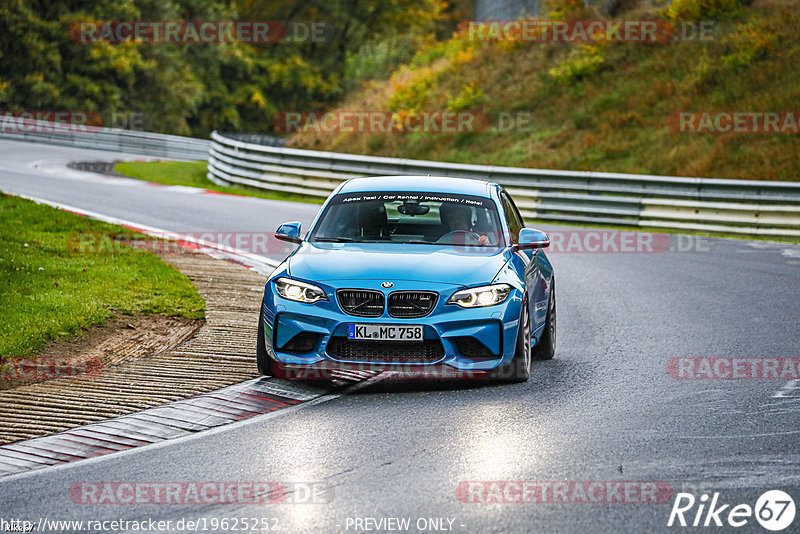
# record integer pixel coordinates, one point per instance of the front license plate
(385, 332)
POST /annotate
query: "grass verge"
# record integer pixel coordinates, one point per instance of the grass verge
(49, 289)
(193, 174)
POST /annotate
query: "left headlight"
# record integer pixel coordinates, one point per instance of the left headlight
(299, 291)
(477, 297)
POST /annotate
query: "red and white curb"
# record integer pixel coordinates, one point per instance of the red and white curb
(169, 421)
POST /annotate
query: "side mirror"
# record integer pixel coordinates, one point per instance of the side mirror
(530, 238)
(289, 232)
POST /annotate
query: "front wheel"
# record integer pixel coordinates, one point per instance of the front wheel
(263, 361)
(519, 370)
(545, 349)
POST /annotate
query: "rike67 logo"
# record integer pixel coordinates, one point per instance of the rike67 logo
(774, 510)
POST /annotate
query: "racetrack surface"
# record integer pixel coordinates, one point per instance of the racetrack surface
(605, 409)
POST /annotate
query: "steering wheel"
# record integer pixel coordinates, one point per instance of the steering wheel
(469, 237)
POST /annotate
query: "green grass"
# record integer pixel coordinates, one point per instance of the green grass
(193, 174)
(49, 289)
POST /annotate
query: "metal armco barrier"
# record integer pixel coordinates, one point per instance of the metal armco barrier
(116, 140)
(734, 207)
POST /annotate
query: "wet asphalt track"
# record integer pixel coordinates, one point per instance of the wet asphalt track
(604, 410)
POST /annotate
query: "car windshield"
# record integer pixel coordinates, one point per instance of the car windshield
(409, 217)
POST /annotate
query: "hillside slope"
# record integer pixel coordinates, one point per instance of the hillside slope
(601, 106)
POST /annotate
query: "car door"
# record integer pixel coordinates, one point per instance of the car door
(535, 285)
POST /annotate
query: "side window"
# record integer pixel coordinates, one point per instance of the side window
(512, 216)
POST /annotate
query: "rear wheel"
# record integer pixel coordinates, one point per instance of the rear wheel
(263, 360)
(545, 349)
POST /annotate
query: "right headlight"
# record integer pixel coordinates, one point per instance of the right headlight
(299, 291)
(478, 297)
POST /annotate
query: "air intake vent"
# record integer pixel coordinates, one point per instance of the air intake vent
(361, 302)
(412, 303)
(427, 351)
(472, 348)
(302, 343)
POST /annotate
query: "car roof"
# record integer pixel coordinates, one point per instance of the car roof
(424, 184)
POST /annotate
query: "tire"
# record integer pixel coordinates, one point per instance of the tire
(519, 370)
(545, 349)
(263, 361)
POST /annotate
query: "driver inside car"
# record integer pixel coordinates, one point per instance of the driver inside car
(457, 218)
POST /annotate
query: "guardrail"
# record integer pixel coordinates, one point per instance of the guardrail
(126, 141)
(734, 207)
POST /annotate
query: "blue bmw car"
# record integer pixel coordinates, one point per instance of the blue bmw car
(411, 273)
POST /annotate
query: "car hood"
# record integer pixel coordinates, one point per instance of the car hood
(444, 264)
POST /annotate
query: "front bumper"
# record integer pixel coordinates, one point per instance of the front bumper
(475, 340)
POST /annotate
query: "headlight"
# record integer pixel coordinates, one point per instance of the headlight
(477, 297)
(299, 291)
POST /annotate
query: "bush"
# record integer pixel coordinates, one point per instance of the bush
(413, 94)
(565, 9)
(580, 63)
(703, 9)
(748, 44)
(377, 60)
(415, 83)
(469, 97)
